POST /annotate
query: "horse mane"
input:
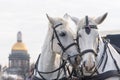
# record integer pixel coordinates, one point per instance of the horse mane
(47, 45)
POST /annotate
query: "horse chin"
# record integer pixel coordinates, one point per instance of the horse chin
(75, 66)
(75, 62)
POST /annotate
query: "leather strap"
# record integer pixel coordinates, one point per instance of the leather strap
(103, 76)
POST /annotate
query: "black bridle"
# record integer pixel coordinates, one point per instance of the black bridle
(95, 75)
(40, 72)
(87, 29)
(107, 74)
(59, 42)
(63, 65)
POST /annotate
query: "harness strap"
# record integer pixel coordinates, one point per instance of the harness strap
(95, 71)
(105, 62)
(102, 58)
(58, 39)
(36, 78)
(36, 64)
(41, 76)
(103, 55)
(88, 50)
(108, 74)
(59, 42)
(64, 49)
(36, 67)
(77, 39)
(64, 63)
(103, 76)
(68, 70)
(40, 73)
(115, 62)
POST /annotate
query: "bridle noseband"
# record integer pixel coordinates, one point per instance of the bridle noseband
(87, 51)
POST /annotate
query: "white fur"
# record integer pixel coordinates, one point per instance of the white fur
(89, 42)
(110, 64)
(49, 59)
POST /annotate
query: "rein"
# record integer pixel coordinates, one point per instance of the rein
(63, 65)
(40, 73)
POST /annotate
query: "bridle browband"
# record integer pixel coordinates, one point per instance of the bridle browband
(63, 61)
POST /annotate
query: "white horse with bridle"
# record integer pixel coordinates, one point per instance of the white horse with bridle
(59, 40)
(100, 61)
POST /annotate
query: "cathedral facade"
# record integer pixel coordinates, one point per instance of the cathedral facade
(19, 59)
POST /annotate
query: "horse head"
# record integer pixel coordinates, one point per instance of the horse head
(88, 40)
(62, 41)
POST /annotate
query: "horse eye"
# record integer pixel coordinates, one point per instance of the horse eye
(62, 34)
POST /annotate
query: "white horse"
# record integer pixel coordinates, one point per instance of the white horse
(59, 40)
(98, 55)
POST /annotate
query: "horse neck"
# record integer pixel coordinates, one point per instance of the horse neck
(47, 58)
(101, 48)
(110, 63)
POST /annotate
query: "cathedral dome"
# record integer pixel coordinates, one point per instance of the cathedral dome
(19, 45)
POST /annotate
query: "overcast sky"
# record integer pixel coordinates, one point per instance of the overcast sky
(28, 16)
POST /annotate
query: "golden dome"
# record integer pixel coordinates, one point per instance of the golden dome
(19, 46)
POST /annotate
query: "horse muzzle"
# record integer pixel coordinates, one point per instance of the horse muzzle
(75, 61)
(89, 67)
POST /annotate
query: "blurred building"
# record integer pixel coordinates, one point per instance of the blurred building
(19, 59)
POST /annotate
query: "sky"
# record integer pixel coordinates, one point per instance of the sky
(29, 17)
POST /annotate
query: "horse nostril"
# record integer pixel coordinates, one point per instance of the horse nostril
(89, 67)
(77, 60)
(84, 63)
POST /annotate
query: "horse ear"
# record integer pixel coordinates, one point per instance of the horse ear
(51, 20)
(100, 19)
(75, 20)
(66, 16)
